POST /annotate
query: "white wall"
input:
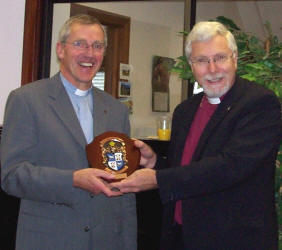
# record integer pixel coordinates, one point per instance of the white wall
(248, 15)
(60, 14)
(11, 47)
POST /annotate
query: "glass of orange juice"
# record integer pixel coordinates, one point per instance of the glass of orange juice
(164, 128)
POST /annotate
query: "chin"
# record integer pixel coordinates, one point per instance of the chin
(87, 78)
(212, 93)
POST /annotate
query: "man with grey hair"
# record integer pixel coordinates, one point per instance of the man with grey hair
(47, 124)
(217, 183)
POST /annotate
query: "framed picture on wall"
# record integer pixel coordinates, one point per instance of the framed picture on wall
(124, 71)
(124, 89)
(160, 83)
(160, 102)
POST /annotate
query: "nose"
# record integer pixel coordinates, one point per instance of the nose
(90, 51)
(212, 66)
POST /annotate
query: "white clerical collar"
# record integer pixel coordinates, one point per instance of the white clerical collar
(214, 100)
(80, 92)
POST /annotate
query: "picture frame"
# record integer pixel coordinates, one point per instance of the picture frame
(124, 89)
(160, 83)
(124, 71)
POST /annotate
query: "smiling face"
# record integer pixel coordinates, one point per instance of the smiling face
(216, 78)
(77, 65)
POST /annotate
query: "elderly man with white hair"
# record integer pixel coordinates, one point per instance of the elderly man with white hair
(217, 183)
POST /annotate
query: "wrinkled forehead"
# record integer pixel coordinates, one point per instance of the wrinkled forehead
(212, 46)
(79, 27)
(87, 32)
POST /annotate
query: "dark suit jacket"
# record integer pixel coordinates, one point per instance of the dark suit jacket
(42, 144)
(228, 188)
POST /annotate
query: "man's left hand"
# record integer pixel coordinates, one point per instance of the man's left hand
(141, 180)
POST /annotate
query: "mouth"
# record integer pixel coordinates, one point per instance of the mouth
(86, 64)
(214, 79)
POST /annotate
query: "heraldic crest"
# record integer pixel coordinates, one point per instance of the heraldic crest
(113, 152)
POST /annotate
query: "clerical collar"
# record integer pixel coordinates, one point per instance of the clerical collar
(80, 92)
(72, 89)
(214, 100)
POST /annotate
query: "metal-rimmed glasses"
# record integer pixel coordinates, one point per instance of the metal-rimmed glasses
(83, 45)
(218, 59)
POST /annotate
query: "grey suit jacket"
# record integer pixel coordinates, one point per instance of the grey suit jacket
(42, 145)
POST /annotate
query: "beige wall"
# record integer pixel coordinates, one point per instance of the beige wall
(248, 15)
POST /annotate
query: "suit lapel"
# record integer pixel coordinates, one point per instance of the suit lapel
(100, 113)
(222, 110)
(62, 106)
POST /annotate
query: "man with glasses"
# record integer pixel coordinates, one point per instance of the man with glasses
(65, 204)
(217, 183)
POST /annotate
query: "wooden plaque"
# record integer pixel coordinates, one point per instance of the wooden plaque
(113, 152)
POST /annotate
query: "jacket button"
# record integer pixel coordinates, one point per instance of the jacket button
(87, 229)
(91, 195)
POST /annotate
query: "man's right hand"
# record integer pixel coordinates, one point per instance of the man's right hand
(94, 181)
(148, 156)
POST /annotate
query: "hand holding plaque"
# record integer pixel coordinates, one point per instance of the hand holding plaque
(113, 152)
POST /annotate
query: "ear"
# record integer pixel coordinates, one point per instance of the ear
(60, 50)
(235, 58)
(191, 66)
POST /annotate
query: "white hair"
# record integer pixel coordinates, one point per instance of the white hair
(204, 31)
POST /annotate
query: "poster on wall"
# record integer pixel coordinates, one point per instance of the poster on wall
(125, 71)
(160, 83)
(124, 89)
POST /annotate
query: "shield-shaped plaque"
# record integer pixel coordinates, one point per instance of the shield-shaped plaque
(114, 152)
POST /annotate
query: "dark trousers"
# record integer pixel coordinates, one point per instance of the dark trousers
(174, 240)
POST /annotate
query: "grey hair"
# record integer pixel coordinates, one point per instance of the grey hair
(204, 31)
(79, 19)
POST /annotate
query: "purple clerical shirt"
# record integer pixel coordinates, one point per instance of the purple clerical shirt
(203, 115)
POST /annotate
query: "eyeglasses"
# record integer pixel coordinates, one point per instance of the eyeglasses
(83, 45)
(217, 59)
